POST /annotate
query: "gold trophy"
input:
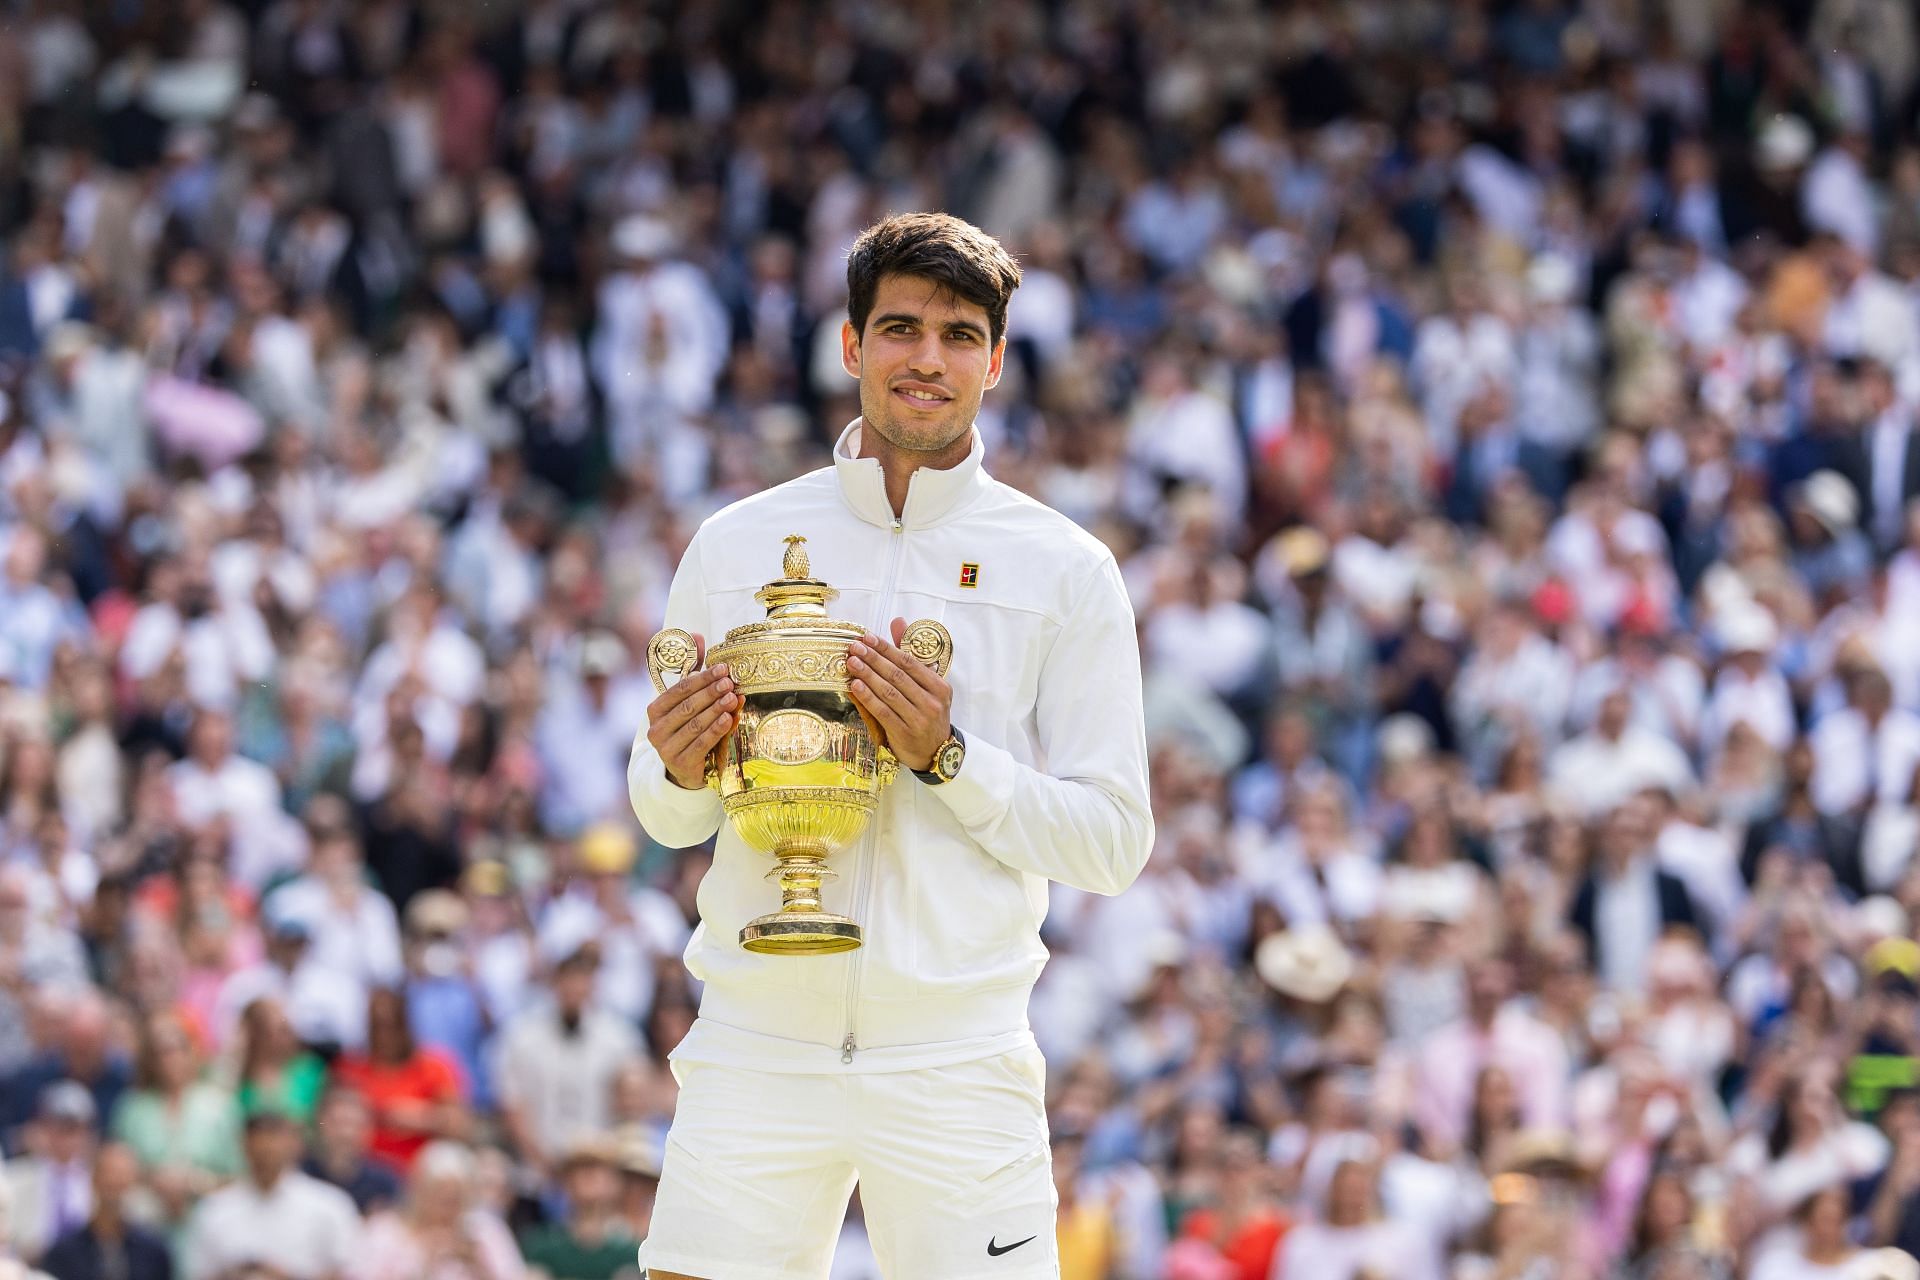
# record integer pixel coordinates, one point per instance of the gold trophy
(801, 773)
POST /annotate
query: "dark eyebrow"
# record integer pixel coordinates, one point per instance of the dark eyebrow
(894, 317)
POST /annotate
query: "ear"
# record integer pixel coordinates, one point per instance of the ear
(999, 361)
(849, 349)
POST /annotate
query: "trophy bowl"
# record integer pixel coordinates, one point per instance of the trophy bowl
(800, 774)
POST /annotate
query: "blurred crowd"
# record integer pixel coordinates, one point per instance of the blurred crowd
(1503, 412)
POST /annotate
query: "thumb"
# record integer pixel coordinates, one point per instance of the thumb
(899, 629)
(699, 651)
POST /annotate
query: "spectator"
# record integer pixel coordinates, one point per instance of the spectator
(593, 1241)
(109, 1245)
(343, 1152)
(273, 1216)
(51, 1190)
(1351, 1237)
(558, 1062)
(416, 1093)
(438, 1232)
(85, 1053)
(182, 1127)
(275, 1072)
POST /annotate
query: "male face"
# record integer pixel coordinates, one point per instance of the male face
(272, 1145)
(924, 361)
(345, 1125)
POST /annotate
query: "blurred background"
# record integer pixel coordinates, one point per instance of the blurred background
(1502, 410)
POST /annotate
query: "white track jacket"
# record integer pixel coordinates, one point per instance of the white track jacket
(949, 883)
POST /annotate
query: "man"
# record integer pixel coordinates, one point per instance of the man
(215, 782)
(638, 928)
(326, 1007)
(1628, 901)
(84, 1052)
(1615, 758)
(592, 1242)
(276, 1218)
(585, 732)
(109, 1247)
(52, 1190)
(558, 1062)
(342, 1152)
(907, 1065)
(1882, 461)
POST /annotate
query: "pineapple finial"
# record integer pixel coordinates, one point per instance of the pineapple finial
(794, 563)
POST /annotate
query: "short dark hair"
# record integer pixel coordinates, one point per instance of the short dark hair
(949, 251)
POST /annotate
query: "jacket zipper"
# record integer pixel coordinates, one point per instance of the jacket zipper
(864, 854)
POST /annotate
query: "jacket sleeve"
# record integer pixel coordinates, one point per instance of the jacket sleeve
(673, 815)
(1086, 821)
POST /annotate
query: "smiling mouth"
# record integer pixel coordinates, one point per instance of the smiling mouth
(921, 398)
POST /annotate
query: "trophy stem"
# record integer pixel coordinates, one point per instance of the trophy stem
(800, 927)
(800, 876)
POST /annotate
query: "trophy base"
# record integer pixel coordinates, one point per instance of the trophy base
(800, 933)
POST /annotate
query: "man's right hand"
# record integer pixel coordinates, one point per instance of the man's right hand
(687, 722)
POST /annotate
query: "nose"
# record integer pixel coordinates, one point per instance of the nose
(927, 356)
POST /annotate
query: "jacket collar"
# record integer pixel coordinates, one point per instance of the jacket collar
(932, 495)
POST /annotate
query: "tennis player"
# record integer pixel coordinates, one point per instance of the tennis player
(906, 1066)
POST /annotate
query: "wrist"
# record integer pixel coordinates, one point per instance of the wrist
(947, 759)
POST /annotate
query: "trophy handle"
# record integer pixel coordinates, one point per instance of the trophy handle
(670, 650)
(930, 642)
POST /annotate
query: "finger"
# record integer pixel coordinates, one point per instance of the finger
(921, 674)
(900, 667)
(700, 712)
(713, 726)
(690, 697)
(889, 720)
(905, 697)
(705, 730)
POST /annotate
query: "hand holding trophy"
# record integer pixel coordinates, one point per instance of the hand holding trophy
(796, 762)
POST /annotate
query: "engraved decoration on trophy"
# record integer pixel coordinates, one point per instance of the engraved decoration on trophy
(800, 774)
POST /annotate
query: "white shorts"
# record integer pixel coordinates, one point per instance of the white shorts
(954, 1171)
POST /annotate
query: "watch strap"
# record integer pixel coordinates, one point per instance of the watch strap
(928, 776)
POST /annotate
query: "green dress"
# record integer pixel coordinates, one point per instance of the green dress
(296, 1093)
(202, 1133)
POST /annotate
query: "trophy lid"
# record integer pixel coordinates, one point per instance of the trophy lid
(798, 594)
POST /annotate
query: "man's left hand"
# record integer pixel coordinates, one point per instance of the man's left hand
(911, 705)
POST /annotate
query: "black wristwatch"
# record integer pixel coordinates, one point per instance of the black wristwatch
(947, 759)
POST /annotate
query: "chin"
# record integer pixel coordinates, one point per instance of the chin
(920, 437)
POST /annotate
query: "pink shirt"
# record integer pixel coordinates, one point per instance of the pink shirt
(1451, 1059)
(391, 1252)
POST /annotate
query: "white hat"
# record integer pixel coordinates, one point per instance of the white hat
(1831, 499)
(1877, 917)
(1747, 628)
(1638, 537)
(1551, 278)
(1308, 963)
(642, 235)
(1884, 1264)
(1785, 143)
(602, 653)
(1403, 738)
(67, 339)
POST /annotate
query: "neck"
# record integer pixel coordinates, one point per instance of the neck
(898, 465)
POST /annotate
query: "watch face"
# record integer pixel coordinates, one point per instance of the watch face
(950, 757)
